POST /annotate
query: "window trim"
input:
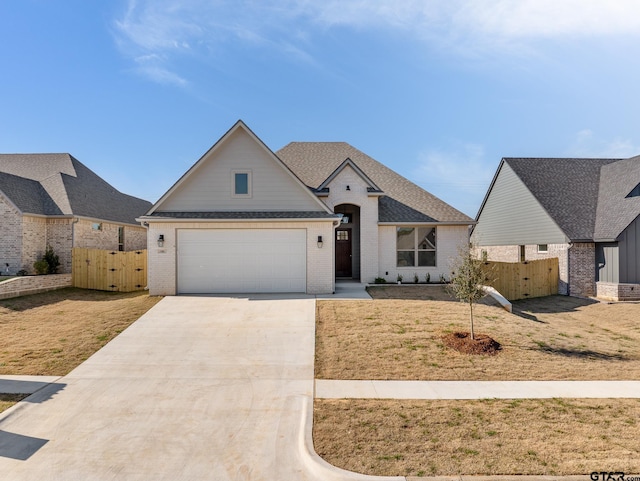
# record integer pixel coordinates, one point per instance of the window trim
(249, 193)
(541, 250)
(416, 246)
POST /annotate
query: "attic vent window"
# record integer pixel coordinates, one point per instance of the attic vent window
(241, 183)
(635, 192)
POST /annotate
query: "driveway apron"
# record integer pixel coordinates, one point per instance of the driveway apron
(199, 388)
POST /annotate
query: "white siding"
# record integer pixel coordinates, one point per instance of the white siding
(210, 186)
(512, 216)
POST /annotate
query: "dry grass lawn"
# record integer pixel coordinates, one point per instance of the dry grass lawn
(398, 336)
(52, 333)
(427, 438)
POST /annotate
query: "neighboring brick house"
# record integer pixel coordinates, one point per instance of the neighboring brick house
(246, 219)
(53, 199)
(585, 212)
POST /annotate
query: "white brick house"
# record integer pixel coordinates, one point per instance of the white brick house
(246, 219)
(53, 199)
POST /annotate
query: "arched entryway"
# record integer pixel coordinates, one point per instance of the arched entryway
(347, 242)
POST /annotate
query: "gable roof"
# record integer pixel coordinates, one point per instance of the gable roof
(59, 184)
(322, 211)
(615, 210)
(567, 188)
(402, 200)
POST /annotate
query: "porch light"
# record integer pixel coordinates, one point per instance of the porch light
(320, 243)
(161, 240)
(348, 188)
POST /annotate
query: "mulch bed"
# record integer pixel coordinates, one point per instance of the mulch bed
(462, 342)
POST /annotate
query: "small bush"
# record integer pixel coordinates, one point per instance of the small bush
(21, 272)
(41, 267)
(52, 260)
(380, 280)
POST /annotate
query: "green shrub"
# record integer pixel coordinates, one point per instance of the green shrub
(41, 267)
(380, 280)
(52, 260)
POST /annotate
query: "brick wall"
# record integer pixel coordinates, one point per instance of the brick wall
(162, 268)
(582, 258)
(23, 286)
(618, 292)
(10, 238)
(449, 239)
(357, 195)
(34, 241)
(60, 238)
(107, 236)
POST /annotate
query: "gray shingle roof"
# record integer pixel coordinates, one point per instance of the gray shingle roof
(245, 215)
(59, 184)
(566, 188)
(615, 211)
(403, 201)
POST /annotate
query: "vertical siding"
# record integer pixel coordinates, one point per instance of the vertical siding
(512, 216)
(607, 263)
(629, 246)
(211, 187)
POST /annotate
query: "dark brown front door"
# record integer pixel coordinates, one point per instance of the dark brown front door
(343, 253)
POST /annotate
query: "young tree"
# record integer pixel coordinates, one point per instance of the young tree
(467, 280)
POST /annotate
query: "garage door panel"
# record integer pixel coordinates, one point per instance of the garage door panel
(241, 260)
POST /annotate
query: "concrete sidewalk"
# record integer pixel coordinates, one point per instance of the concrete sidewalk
(332, 389)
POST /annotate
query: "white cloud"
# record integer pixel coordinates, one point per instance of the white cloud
(178, 27)
(587, 144)
(459, 176)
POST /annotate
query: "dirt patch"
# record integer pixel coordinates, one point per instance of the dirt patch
(485, 437)
(462, 342)
(399, 335)
(52, 333)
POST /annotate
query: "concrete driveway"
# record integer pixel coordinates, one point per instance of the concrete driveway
(199, 388)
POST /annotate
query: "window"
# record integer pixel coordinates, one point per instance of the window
(241, 183)
(416, 246)
(121, 238)
(342, 235)
(635, 192)
(543, 248)
(522, 256)
(96, 226)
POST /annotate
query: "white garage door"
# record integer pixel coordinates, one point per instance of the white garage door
(242, 260)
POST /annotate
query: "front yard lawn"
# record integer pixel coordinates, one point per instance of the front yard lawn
(398, 336)
(52, 333)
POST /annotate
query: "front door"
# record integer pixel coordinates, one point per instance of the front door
(343, 253)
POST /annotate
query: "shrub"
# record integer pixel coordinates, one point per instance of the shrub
(380, 280)
(52, 260)
(41, 267)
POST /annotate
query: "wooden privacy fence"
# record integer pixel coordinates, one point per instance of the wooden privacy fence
(523, 280)
(109, 270)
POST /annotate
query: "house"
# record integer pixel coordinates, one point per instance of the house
(585, 212)
(53, 199)
(244, 219)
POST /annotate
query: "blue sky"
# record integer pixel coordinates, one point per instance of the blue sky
(438, 90)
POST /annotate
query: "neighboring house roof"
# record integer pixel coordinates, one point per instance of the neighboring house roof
(615, 210)
(566, 188)
(59, 184)
(402, 200)
(586, 198)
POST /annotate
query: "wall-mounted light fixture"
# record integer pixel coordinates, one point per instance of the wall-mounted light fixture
(161, 240)
(348, 188)
(320, 243)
